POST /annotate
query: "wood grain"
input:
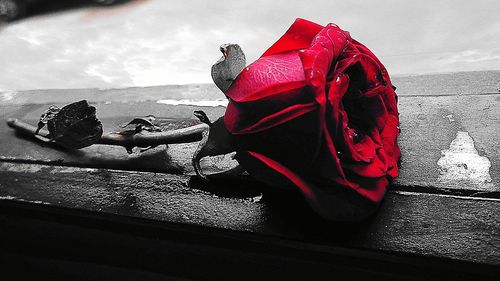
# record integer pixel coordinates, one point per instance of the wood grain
(425, 227)
(433, 225)
(428, 126)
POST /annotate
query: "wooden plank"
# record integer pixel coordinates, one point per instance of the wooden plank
(454, 83)
(58, 242)
(430, 224)
(429, 126)
(452, 227)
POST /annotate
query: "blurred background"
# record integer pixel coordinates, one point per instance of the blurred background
(116, 44)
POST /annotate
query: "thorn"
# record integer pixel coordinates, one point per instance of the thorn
(202, 116)
(198, 155)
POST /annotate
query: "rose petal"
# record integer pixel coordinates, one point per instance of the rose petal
(271, 75)
(298, 36)
(294, 178)
(277, 118)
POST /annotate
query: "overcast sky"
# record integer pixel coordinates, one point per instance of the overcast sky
(158, 42)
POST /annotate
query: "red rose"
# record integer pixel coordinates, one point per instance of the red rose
(318, 111)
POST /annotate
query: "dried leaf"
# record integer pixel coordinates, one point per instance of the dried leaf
(227, 68)
(143, 123)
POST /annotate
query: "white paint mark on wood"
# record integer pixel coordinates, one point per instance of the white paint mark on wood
(450, 117)
(20, 168)
(211, 103)
(58, 170)
(462, 162)
(8, 197)
(420, 194)
(7, 96)
(35, 168)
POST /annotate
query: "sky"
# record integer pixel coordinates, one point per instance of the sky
(158, 42)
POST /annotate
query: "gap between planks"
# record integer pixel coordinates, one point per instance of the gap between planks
(34, 166)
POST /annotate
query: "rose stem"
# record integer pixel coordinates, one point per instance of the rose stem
(189, 134)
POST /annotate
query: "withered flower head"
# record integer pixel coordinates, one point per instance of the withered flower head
(74, 126)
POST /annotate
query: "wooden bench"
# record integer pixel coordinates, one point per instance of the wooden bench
(101, 213)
